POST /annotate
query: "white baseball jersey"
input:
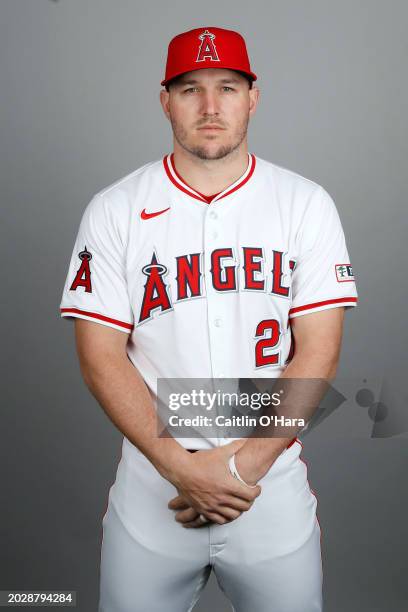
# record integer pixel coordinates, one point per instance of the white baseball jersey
(208, 290)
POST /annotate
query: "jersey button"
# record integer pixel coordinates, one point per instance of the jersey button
(212, 214)
(217, 322)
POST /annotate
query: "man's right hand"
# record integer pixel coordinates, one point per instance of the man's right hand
(206, 483)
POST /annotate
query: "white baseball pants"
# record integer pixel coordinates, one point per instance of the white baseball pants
(267, 560)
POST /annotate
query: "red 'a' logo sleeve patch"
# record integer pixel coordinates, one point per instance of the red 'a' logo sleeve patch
(83, 275)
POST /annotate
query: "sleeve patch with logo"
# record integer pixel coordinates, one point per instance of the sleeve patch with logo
(344, 273)
(83, 275)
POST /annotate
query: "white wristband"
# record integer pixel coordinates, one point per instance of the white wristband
(235, 473)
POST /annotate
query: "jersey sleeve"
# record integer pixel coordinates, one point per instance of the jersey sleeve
(323, 276)
(96, 287)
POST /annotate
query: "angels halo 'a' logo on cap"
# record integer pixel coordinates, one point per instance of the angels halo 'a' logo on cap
(207, 49)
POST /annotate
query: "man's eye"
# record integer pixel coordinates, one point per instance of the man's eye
(192, 89)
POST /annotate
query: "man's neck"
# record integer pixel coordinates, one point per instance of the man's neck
(210, 176)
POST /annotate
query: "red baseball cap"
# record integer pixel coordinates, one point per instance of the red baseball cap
(207, 48)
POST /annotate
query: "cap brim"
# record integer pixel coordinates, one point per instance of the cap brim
(249, 74)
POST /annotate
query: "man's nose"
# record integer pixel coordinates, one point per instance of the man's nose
(209, 103)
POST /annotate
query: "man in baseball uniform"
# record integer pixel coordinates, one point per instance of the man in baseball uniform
(209, 263)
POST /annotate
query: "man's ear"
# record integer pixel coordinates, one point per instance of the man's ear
(254, 94)
(165, 102)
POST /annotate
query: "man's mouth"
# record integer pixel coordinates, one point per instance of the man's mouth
(211, 127)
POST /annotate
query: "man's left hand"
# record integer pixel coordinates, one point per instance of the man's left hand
(249, 470)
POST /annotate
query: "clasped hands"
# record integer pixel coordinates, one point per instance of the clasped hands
(206, 486)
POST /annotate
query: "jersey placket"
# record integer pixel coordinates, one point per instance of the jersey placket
(216, 314)
(218, 322)
(220, 334)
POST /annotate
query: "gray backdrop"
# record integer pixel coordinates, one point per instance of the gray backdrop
(79, 109)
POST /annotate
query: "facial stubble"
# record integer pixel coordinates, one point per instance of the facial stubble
(200, 151)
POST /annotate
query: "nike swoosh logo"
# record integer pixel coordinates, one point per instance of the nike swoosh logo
(145, 215)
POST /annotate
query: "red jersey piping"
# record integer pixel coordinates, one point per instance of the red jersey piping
(324, 303)
(177, 180)
(94, 315)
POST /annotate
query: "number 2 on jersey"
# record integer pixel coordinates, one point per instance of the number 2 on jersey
(269, 332)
